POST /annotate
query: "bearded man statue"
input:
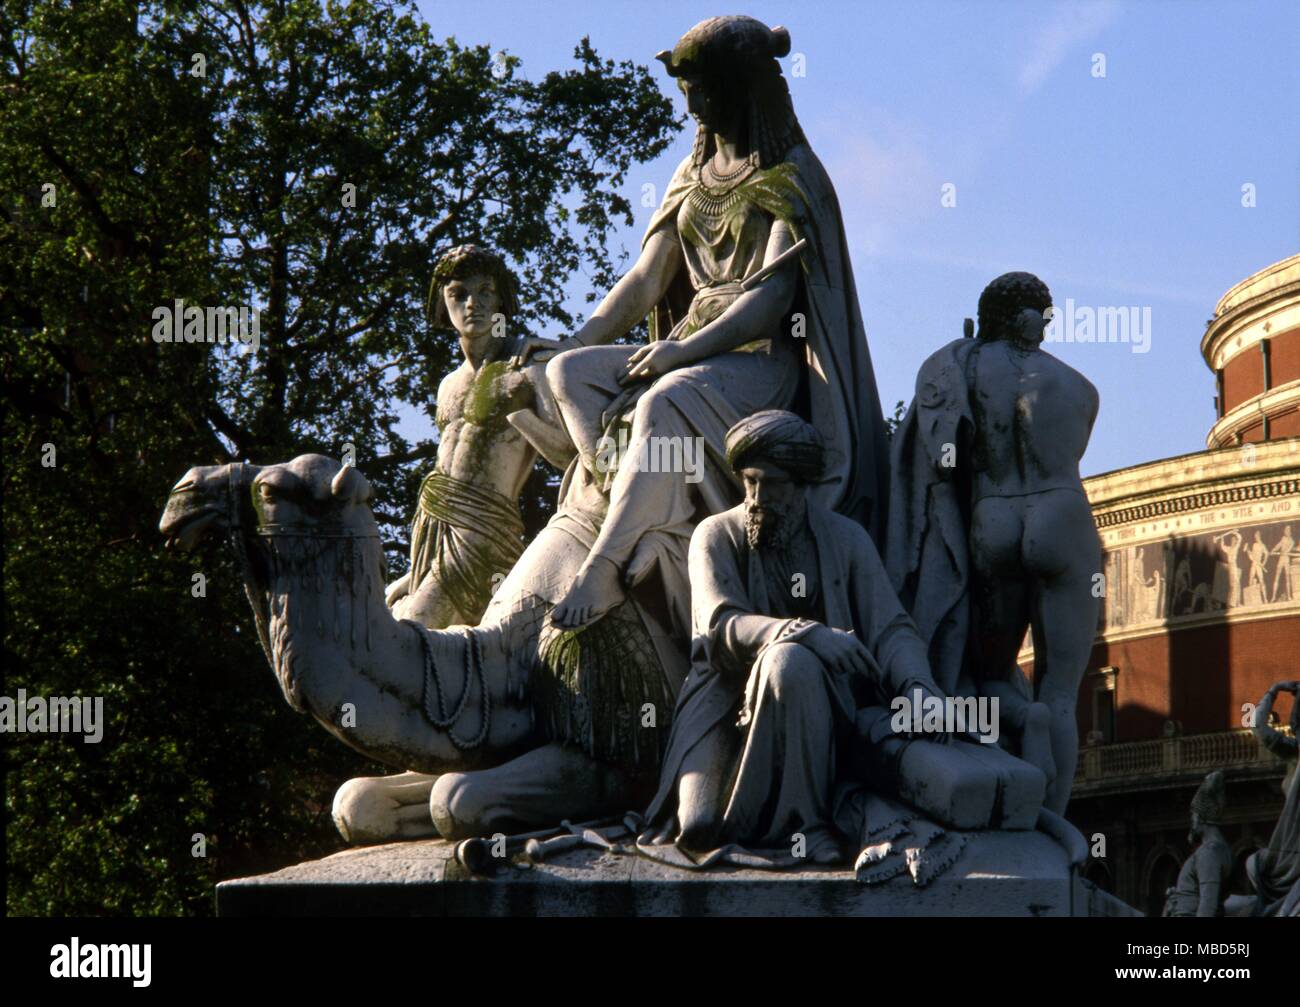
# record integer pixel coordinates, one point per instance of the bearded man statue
(795, 628)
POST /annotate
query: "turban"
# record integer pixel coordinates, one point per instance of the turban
(782, 438)
(1210, 799)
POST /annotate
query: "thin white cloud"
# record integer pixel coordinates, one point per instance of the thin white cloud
(1071, 25)
(889, 183)
(883, 175)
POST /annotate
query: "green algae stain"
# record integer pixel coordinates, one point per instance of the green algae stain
(487, 400)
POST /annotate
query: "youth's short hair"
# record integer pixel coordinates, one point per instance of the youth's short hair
(470, 260)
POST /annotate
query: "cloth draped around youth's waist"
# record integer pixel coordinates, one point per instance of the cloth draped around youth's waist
(470, 532)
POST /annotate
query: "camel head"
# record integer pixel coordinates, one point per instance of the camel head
(307, 545)
(309, 496)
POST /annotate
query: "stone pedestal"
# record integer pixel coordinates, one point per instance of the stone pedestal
(999, 874)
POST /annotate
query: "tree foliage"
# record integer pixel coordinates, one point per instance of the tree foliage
(325, 156)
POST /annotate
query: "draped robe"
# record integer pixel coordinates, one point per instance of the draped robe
(733, 633)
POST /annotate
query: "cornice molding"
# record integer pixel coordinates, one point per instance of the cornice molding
(1275, 402)
(1210, 497)
(1188, 477)
(1239, 310)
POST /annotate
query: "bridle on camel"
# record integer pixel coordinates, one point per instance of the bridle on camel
(245, 566)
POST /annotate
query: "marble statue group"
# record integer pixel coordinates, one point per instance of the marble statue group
(745, 573)
(1272, 872)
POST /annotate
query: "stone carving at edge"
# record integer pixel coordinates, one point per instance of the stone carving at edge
(561, 701)
(1202, 885)
(1274, 871)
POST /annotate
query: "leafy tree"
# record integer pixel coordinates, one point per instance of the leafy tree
(312, 162)
(892, 423)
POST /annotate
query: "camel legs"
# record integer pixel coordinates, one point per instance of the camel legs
(382, 809)
(535, 790)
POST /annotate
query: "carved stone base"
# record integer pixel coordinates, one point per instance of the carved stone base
(999, 874)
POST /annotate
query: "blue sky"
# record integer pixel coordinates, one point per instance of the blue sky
(1119, 191)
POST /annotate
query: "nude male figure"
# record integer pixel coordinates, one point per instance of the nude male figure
(492, 421)
(1258, 555)
(1036, 556)
(1228, 591)
(1283, 550)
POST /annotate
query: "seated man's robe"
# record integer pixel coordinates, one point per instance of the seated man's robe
(792, 716)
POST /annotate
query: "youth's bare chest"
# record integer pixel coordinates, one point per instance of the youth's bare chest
(481, 400)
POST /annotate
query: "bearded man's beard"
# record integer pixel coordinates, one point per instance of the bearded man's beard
(768, 531)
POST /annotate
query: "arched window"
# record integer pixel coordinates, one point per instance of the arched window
(1160, 877)
(1100, 874)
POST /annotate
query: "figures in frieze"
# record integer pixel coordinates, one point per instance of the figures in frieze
(1227, 575)
(1287, 560)
(1201, 575)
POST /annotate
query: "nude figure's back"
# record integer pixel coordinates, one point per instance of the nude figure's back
(1033, 415)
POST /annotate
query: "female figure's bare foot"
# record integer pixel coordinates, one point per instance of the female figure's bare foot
(597, 589)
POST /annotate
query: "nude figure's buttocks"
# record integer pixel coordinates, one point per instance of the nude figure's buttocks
(1034, 548)
(1034, 415)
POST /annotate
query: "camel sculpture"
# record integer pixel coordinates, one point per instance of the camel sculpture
(509, 724)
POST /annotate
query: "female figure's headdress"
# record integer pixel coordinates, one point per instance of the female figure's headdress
(741, 54)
